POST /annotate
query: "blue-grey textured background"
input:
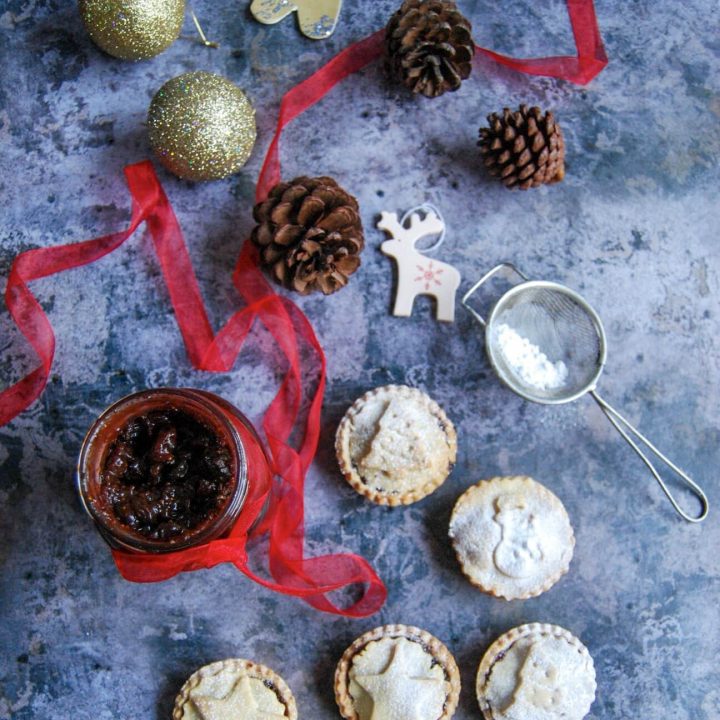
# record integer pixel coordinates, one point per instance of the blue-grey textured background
(634, 227)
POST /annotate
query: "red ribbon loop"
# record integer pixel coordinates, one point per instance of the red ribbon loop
(580, 69)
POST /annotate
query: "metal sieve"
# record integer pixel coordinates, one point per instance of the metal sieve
(561, 335)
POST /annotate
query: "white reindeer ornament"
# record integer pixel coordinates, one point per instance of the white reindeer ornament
(418, 274)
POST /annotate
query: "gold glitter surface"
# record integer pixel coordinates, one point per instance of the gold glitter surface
(133, 29)
(201, 126)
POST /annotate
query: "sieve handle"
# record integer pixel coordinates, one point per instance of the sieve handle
(619, 421)
(482, 281)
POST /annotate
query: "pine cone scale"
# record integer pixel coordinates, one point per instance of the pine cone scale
(310, 209)
(348, 265)
(314, 232)
(271, 254)
(262, 210)
(263, 237)
(292, 194)
(326, 197)
(287, 235)
(310, 247)
(280, 272)
(338, 219)
(524, 159)
(280, 214)
(525, 173)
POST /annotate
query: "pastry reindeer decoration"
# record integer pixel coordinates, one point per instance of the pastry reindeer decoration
(317, 18)
(418, 274)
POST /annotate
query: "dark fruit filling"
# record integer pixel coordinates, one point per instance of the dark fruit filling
(166, 474)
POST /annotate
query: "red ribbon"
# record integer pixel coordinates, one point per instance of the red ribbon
(309, 578)
(580, 69)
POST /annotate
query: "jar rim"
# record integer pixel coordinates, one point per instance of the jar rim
(203, 404)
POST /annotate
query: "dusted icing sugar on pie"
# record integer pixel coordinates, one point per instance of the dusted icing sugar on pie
(397, 672)
(396, 445)
(543, 673)
(249, 698)
(512, 536)
(395, 679)
(235, 690)
(409, 445)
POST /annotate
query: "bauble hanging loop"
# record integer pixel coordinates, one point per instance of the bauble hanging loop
(201, 126)
(133, 29)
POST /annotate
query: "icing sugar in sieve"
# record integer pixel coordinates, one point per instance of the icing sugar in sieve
(547, 344)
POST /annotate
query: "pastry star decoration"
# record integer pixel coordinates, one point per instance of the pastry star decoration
(238, 703)
(396, 695)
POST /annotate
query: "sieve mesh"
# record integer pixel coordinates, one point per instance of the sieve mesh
(560, 327)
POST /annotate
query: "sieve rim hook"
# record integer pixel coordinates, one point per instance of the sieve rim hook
(487, 276)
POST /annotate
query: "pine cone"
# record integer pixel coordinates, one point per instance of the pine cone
(429, 46)
(309, 234)
(524, 148)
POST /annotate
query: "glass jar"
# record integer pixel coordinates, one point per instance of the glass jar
(209, 436)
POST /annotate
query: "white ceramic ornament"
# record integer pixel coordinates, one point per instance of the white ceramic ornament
(317, 18)
(418, 274)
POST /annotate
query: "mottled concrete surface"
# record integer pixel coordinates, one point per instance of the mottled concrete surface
(634, 227)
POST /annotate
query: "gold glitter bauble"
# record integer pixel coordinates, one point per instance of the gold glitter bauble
(133, 29)
(202, 127)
